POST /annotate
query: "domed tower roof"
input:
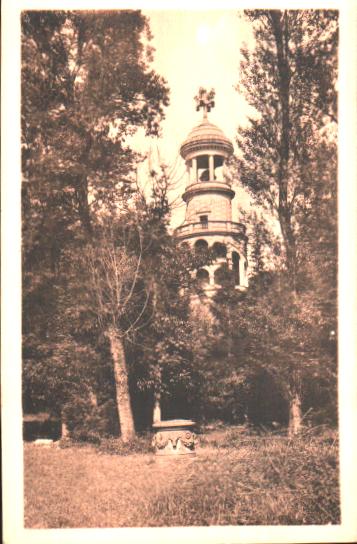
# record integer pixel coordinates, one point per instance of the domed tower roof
(203, 136)
(206, 135)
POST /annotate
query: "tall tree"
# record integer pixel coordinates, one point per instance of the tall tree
(289, 78)
(266, 331)
(86, 85)
(118, 298)
(163, 362)
(133, 276)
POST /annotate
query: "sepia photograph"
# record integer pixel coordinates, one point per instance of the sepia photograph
(180, 268)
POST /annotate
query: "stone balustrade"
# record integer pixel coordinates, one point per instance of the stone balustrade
(210, 226)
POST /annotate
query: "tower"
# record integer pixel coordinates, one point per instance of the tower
(208, 196)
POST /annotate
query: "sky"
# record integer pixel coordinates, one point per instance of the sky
(194, 49)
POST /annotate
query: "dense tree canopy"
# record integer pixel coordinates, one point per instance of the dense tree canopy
(288, 164)
(86, 85)
(289, 78)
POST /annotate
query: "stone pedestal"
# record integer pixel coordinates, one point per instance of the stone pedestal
(174, 437)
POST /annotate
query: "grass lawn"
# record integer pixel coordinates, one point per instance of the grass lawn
(234, 480)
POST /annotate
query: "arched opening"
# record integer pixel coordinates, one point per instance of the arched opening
(223, 276)
(235, 267)
(202, 277)
(218, 167)
(219, 250)
(185, 246)
(201, 246)
(202, 168)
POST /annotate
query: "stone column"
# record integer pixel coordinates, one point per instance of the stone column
(188, 172)
(242, 272)
(211, 276)
(211, 167)
(245, 267)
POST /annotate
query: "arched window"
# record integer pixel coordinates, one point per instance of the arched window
(219, 250)
(202, 168)
(202, 276)
(201, 245)
(223, 276)
(235, 263)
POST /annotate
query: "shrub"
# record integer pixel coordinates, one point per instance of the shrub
(115, 446)
(86, 422)
(85, 435)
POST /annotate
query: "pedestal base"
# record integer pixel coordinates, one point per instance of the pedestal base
(174, 438)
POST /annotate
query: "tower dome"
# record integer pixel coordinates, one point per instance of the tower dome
(206, 135)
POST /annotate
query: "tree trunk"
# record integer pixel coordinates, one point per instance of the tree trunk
(289, 242)
(295, 418)
(93, 398)
(83, 205)
(156, 417)
(125, 414)
(64, 430)
(279, 21)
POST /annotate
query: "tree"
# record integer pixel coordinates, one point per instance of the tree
(86, 85)
(136, 285)
(290, 79)
(120, 300)
(263, 331)
(166, 341)
(161, 351)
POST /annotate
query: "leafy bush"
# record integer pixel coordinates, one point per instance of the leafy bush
(86, 422)
(115, 446)
(85, 435)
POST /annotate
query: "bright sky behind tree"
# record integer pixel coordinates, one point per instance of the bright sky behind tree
(194, 49)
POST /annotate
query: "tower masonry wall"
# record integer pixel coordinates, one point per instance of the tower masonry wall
(217, 207)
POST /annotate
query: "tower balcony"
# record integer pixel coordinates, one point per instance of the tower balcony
(187, 230)
(217, 187)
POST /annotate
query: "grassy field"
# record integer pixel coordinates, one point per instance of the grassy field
(235, 479)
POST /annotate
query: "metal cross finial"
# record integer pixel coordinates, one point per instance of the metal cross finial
(205, 100)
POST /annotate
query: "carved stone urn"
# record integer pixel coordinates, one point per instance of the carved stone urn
(174, 437)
